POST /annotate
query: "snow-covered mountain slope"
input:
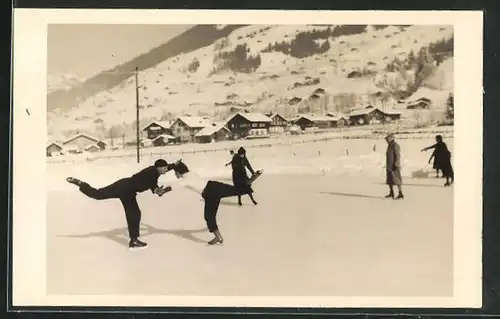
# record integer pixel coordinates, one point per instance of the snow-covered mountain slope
(62, 81)
(197, 82)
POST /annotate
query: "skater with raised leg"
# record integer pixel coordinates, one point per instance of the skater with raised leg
(239, 164)
(126, 190)
(393, 167)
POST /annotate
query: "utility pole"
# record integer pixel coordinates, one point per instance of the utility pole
(138, 142)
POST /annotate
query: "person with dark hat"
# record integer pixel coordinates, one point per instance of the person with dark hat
(239, 164)
(126, 190)
(393, 167)
(442, 159)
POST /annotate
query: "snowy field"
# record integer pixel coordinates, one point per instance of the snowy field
(321, 228)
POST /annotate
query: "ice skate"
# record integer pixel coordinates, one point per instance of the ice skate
(390, 195)
(74, 181)
(400, 196)
(217, 239)
(137, 244)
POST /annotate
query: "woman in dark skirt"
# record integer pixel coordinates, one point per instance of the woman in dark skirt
(239, 164)
(442, 159)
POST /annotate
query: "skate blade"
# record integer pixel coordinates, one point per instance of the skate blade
(137, 248)
(215, 243)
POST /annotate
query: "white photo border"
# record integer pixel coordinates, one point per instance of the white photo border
(29, 159)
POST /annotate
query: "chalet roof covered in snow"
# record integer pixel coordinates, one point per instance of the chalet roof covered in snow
(362, 111)
(193, 121)
(370, 108)
(211, 129)
(92, 138)
(424, 93)
(337, 116)
(272, 115)
(164, 124)
(317, 118)
(256, 117)
(55, 143)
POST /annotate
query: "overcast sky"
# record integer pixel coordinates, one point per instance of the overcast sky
(84, 50)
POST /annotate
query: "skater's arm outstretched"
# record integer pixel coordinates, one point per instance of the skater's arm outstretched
(429, 147)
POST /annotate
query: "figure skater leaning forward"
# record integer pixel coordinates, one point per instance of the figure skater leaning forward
(126, 190)
(212, 192)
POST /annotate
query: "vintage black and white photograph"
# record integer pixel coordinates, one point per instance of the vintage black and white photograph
(305, 159)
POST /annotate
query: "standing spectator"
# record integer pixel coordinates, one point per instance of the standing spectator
(393, 167)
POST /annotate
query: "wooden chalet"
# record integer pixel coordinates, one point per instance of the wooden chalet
(315, 121)
(391, 115)
(54, 148)
(92, 148)
(164, 139)
(278, 124)
(157, 128)
(81, 141)
(341, 119)
(213, 133)
(185, 128)
(372, 115)
(249, 124)
(422, 103)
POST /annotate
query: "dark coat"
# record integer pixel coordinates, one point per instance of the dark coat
(125, 187)
(212, 194)
(442, 158)
(240, 177)
(393, 164)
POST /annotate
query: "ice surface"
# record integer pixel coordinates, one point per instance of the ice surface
(313, 232)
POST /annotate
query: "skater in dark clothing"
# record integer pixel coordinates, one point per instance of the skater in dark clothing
(442, 159)
(126, 190)
(212, 193)
(239, 165)
(393, 167)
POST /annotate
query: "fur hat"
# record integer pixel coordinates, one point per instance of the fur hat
(180, 167)
(241, 151)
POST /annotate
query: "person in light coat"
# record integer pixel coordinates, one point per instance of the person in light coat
(393, 167)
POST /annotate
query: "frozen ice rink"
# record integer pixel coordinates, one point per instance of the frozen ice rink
(309, 235)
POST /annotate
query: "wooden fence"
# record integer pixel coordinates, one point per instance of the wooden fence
(274, 142)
